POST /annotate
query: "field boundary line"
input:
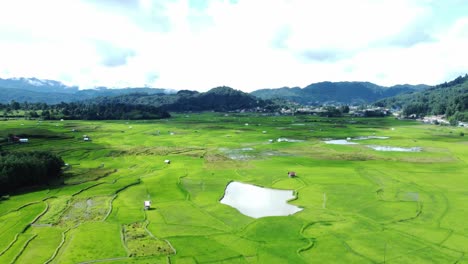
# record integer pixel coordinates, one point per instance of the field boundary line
(21, 207)
(102, 260)
(95, 180)
(352, 251)
(151, 235)
(39, 216)
(23, 249)
(110, 208)
(224, 259)
(10, 245)
(460, 258)
(57, 249)
(86, 188)
(122, 239)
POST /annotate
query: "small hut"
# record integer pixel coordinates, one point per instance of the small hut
(147, 205)
(291, 174)
(167, 161)
(23, 140)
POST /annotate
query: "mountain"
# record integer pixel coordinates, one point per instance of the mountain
(37, 85)
(450, 99)
(337, 92)
(53, 92)
(217, 99)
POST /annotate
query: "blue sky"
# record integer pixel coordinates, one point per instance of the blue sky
(245, 44)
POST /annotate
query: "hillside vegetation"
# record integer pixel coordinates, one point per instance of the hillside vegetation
(217, 99)
(450, 99)
(337, 92)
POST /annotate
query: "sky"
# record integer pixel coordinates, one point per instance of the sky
(244, 44)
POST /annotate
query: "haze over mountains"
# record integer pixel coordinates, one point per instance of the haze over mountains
(52, 92)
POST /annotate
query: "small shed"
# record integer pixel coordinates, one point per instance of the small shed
(147, 205)
(23, 140)
(167, 161)
(86, 139)
(291, 174)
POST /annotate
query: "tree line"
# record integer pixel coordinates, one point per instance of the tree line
(84, 111)
(21, 169)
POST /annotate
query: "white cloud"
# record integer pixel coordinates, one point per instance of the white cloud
(247, 44)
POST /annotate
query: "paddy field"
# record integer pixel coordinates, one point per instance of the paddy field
(359, 205)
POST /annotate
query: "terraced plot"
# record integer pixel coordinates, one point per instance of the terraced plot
(358, 205)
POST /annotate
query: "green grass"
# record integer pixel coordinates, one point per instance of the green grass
(359, 205)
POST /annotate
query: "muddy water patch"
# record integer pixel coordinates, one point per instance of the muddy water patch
(339, 142)
(257, 202)
(369, 137)
(289, 140)
(396, 149)
(238, 154)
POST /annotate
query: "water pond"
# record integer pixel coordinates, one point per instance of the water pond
(339, 142)
(398, 149)
(256, 202)
(370, 137)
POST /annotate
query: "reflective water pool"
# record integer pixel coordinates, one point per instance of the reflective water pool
(256, 202)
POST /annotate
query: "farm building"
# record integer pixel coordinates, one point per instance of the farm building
(86, 139)
(167, 161)
(291, 174)
(147, 205)
(23, 140)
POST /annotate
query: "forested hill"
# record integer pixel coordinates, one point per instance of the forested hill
(217, 99)
(35, 90)
(337, 92)
(449, 99)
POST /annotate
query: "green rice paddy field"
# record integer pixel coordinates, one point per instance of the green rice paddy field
(359, 205)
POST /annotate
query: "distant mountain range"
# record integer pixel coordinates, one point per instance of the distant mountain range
(449, 98)
(53, 92)
(354, 93)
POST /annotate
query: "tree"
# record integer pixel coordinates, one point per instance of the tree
(15, 105)
(344, 109)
